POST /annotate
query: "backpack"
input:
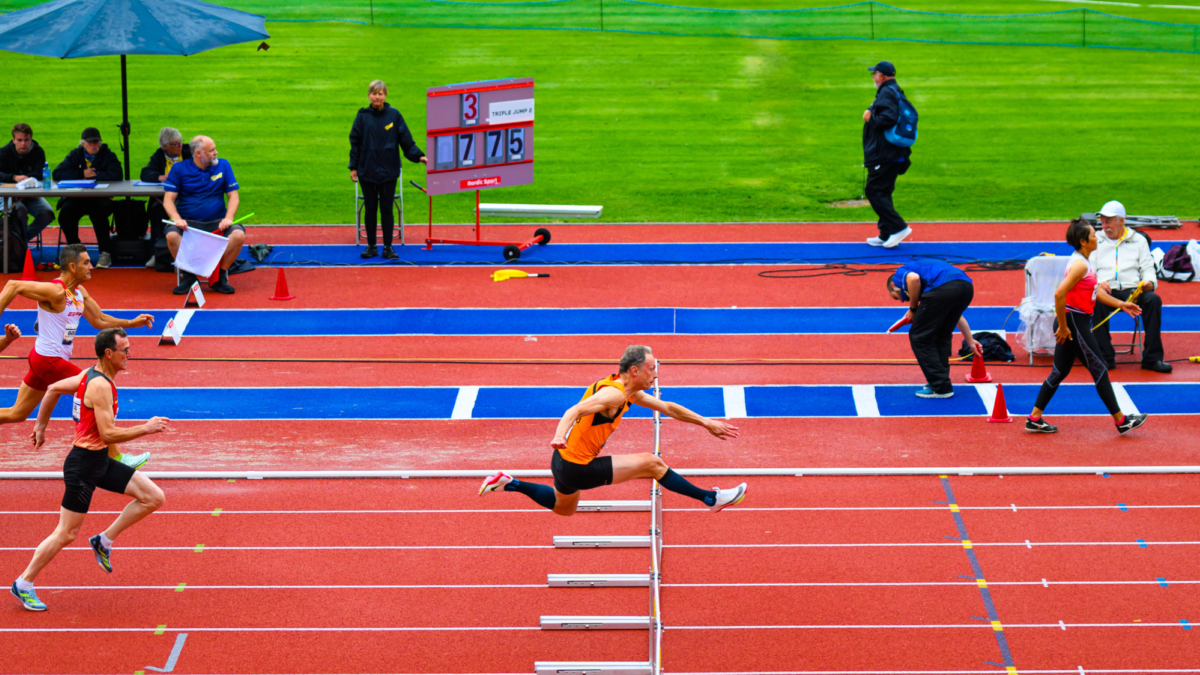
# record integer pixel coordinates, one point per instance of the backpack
(904, 134)
(130, 218)
(995, 348)
(1177, 265)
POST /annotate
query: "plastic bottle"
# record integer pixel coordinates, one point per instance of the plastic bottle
(46, 181)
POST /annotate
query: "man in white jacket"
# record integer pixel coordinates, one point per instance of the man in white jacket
(1122, 260)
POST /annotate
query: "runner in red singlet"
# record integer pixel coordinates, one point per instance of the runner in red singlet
(88, 465)
(60, 305)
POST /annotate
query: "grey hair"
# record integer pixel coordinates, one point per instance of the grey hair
(169, 135)
(377, 85)
(635, 355)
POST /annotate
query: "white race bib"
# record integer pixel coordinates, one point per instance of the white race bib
(69, 336)
(75, 408)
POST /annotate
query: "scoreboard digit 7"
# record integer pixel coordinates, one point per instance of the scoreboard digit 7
(480, 135)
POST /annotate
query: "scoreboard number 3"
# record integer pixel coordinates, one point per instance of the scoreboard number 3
(470, 109)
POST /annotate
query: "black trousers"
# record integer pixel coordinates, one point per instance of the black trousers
(932, 331)
(379, 196)
(1082, 346)
(1152, 347)
(157, 213)
(881, 183)
(70, 211)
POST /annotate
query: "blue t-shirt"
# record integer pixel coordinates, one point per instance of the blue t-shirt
(200, 192)
(933, 274)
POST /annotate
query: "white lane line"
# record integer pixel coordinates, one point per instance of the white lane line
(1123, 400)
(735, 401)
(1138, 671)
(464, 403)
(865, 403)
(987, 394)
(295, 548)
(953, 544)
(822, 584)
(939, 509)
(1164, 7)
(909, 626)
(315, 587)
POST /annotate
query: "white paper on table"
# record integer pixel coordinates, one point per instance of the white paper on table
(200, 252)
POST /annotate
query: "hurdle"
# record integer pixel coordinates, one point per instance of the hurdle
(612, 541)
(597, 580)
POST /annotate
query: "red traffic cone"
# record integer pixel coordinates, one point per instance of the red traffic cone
(979, 371)
(215, 276)
(1000, 410)
(29, 274)
(281, 289)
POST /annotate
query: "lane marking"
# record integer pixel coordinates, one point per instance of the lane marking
(179, 588)
(735, 401)
(216, 512)
(966, 544)
(1124, 402)
(161, 628)
(464, 403)
(1061, 624)
(198, 548)
(170, 667)
(1010, 507)
(865, 403)
(987, 394)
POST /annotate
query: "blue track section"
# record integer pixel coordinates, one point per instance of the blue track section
(635, 321)
(437, 403)
(670, 254)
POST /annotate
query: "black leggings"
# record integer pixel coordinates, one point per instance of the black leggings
(380, 196)
(1082, 345)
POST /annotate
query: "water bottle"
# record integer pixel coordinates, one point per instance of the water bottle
(46, 184)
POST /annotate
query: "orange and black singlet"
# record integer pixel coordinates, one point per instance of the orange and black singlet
(587, 437)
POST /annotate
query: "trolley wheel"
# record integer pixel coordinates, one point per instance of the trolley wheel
(545, 235)
(511, 252)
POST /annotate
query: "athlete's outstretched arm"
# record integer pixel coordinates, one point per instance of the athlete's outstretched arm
(99, 396)
(67, 386)
(40, 291)
(721, 430)
(605, 399)
(97, 317)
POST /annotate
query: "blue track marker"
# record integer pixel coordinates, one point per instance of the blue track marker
(1142, 543)
(1122, 507)
(1162, 582)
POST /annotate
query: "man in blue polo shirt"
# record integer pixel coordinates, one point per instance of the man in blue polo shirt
(195, 197)
(937, 295)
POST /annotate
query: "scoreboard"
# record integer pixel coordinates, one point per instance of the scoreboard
(479, 135)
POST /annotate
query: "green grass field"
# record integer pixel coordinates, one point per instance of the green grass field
(660, 128)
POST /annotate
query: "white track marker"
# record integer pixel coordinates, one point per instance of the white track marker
(735, 401)
(864, 400)
(987, 394)
(1123, 401)
(1064, 627)
(464, 404)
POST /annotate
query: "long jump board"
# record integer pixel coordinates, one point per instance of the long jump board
(586, 321)
(548, 403)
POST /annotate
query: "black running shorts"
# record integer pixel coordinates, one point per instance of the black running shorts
(85, 470)
(570, 477)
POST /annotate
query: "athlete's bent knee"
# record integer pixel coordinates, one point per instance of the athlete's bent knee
(654, 466)
(154, 498)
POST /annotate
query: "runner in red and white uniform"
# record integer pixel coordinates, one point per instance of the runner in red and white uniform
(88, 465)
(60, 305)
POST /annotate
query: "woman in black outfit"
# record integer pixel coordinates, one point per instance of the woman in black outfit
(378, 135)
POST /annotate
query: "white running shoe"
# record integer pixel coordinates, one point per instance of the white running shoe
(874, 241)
(150, 262)
(728, 497)
(495, 482)
(135, 461)
(894, 240)
(105, 261)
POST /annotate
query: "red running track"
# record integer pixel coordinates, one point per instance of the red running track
(865, 573)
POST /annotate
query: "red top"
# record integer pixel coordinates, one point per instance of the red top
(1082, 298)
(87, 435)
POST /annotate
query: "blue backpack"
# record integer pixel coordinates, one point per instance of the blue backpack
(904, 134)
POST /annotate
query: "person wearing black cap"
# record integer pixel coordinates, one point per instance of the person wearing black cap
(884, 160)
(92, 159)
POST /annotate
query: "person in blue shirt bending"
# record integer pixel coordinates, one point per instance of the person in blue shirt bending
(195, 191)
(937, 295)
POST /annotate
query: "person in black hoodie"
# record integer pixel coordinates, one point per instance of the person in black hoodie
(171, 150)
(20, 159)
(92, 159)
(884, 161)
(378, 135)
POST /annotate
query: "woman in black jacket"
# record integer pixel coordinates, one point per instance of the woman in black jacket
(378, 135)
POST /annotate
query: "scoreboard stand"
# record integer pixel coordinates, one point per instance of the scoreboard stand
(458, 132)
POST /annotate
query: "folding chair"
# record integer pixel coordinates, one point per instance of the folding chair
(1043, 274)
(1137, 336)
(360, 228)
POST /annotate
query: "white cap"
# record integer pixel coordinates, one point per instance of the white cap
(1113, 209)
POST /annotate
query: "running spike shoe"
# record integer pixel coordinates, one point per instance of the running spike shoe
(1039, 425)
(135, 461)
(495, 482)
(1131, 422)
(728, 497)
(29, 599)
(102, 554)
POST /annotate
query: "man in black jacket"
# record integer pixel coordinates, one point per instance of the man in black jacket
(24, 158)
(378, 135)
(884, 161)
(171, 150)
(92, 159)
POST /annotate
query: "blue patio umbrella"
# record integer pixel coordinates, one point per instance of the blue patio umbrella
(71, 29)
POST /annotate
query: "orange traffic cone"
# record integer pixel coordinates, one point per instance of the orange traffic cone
(281, 289)
(979, 371)
(215, 277)
(1000, 410)
(28, 274)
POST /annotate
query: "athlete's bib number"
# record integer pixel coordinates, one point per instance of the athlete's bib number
(69, 336)
(75, 408)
